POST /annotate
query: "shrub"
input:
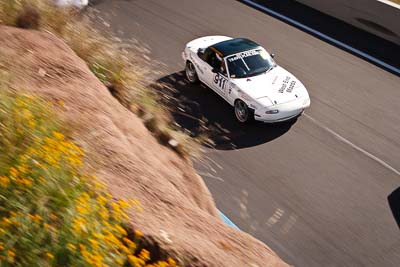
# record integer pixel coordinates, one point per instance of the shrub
(29, 18)
(52, 214)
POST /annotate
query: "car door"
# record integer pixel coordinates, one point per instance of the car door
(216, 76)
(220, 80)
(203, 67)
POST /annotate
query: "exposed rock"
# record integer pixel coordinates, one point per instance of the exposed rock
(179, 213)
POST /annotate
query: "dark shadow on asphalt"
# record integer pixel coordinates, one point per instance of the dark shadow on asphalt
(394, 203)
(368, 43)
(200, 111)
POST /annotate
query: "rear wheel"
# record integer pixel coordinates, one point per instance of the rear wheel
(191, 73)
(242, 112)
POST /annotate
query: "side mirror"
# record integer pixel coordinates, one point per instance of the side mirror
(215, 70)
(273, 55)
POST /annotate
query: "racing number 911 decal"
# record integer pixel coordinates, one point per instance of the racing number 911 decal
(220, 81)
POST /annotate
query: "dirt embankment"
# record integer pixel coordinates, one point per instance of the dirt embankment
(178, 210)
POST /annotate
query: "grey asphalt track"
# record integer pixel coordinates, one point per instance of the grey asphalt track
(320, 191)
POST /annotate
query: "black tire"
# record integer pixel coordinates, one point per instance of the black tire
(191, 74)
(243, 113)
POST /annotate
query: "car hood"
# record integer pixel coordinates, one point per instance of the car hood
(277, 85)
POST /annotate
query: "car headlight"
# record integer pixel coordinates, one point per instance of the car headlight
(273, 111)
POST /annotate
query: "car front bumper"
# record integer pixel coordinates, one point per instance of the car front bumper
(287, 111)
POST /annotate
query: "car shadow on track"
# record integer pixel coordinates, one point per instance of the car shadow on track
(394, 203)
(203, 113)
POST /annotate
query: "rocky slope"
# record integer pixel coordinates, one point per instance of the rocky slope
(178, 211)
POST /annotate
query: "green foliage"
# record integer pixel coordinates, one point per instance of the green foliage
(52, 214)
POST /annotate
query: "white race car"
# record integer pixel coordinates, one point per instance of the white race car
(246, 76)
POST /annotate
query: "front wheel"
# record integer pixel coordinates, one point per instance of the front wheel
(242, 112)
(191, 73)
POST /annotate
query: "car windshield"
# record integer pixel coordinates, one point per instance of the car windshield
(249, 63)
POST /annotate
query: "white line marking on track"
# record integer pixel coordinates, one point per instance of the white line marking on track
(275, 217)
(289, 224)
(323, 36)
(344, 140)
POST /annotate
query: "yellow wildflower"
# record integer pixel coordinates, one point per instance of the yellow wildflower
(124, 216)
(138, 234)
(60, 103)
(104, 213)
(129, 243)
(35, 218)
(124, 249)
(24, 182)
(97, 260)
(31, 123)
(134, 202)
(27, 182)
(71, 246)
(14, 172)
(58, 136)
(121, 230)
(144, 255)
(110, 239)
(100, 185)
(94, 243)
(22, 168)
(4, 181)
(82, 210)
(26, 114)
(123, 204)
(120, 261)
(6, 221)
(85, 197)
(171, 262)
(75, 161)
(135, 261)
(11, 253)
(49, 255)
(19, 102)
(78, 224)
